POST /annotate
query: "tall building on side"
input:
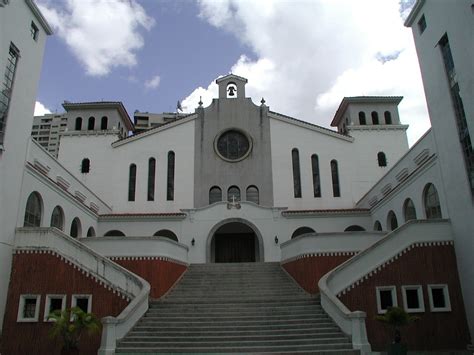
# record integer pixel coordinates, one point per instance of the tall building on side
(47, 129)
(443, 33)
(23, 32)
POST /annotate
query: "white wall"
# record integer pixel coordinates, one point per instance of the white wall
(15, 20)
(356, 157)
(109, 166)
(455, 19)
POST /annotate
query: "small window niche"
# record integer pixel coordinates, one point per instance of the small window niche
(84, 302)
(54, 303)
(28, 310)
(386, 298)
(413, 299)
(439, 298)
(34, 31)
(422, 24)
(231, 90)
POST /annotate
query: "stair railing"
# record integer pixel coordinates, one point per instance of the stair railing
(116, 277)
(362, 264)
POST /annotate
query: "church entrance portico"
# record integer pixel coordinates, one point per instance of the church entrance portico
(233, 241)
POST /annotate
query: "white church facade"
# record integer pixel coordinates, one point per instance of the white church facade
(117, 219)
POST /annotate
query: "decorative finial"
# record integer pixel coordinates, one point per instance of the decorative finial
(200, 101)
(263, 101)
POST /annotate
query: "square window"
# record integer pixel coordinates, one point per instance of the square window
(53, 303)
(422, 24)
(84, 302)
(34, 31)
(413, 298)
(386, 298)
(439, 298)
(28, 310)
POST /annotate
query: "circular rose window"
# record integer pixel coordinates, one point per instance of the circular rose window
(233, 145)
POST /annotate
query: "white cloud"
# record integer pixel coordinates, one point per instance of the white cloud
(310, 54)
(40, 109)
(102, 34)
(153, 83)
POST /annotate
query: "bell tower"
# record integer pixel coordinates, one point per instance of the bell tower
(231, 87)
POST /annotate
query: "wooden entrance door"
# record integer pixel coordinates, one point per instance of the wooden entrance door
(235, 248)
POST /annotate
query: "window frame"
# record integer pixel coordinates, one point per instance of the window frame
(316, 174)
(151, 179)
(421, 301)
(75, 297)
(393, 290)
(132, 182)
(296, 168)
(170, 175)
(47, 305)
(214, 190)
(447, 307)
(336, 185)
(20, 318)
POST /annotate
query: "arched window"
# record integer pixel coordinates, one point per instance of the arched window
(114, 233)
(78, 125)
(409, 210)
(431, 200)
(252, 194)
(316, 177)
(103, 123)
(375, 117)
(33, 210)
(57, 218)
(76, 229)
(166, 233)
(91, 124)
(392, 222)
(85, 166)
(91, 232)
(233, 194)
(377, 226)
(132, 180)
(335, 179)
(362, 120)
(388, 117)
(151, 179)
(302, 230)
(215, 194)
(170, 179)
(382, 159)
(354, 228)
(295, 158)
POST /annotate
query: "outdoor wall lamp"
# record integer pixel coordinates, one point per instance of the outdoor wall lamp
(276, 240)
(193, 242)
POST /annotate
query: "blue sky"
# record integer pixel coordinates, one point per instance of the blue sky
(303, 56)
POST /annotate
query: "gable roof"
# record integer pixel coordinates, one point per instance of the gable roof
(153, 130)
(231, 76)
(311, 126)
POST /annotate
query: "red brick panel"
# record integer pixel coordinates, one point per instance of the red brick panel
(418, 266)
(47, 274)
(161, 274)
(308, 270)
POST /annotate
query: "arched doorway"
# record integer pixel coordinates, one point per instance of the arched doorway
(234, 241)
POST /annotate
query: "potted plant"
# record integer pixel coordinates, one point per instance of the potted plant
(396, 317)
(69, 325)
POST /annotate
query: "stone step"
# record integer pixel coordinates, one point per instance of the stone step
(186, 331)
(237, 349)
(231, 338)
(230, 323)
(234, 312)
(236, 308)
(242, 303)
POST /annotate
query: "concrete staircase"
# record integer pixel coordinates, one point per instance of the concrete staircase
(236, 308)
